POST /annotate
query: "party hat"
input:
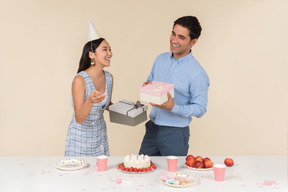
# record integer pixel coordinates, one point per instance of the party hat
(92, 33)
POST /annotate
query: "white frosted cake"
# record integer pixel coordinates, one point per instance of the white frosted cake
(137, 161)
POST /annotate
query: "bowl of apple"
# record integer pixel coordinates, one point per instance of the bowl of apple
(198, 163)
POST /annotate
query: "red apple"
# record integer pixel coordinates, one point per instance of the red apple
(199, 164)
(206, 158)
(199, 158)
(208, 163)
(229, 162)
(191, 162)
(189, 157)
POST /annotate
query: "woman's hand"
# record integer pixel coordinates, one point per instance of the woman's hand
(96, 97)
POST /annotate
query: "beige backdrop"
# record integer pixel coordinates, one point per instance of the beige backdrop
(243, 48)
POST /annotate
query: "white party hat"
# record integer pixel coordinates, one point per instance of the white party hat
(92, 33)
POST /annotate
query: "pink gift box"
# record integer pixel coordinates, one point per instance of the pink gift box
(156, 92)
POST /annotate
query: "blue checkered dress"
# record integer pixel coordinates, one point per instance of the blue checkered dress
(90, 137)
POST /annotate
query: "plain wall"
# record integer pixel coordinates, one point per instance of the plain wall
(243, 48)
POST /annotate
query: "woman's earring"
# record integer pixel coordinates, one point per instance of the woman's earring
(92, 62)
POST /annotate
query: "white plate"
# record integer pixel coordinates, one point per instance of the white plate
(194, 180)
(199, 169)
(70, 164)
(152, 170)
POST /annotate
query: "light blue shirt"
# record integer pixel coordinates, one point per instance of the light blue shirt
(190, 93)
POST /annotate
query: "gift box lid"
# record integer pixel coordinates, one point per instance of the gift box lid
(157, 88)
(129, 108)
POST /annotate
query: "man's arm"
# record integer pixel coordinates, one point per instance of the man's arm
(198, 102)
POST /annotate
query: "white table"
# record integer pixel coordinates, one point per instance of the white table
(250, 173)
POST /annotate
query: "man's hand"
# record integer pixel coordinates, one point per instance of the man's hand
(168, 105)
(146, 83)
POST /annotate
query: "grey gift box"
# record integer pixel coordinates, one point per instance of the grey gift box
(128, 113)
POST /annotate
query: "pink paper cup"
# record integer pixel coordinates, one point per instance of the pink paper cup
(172, 163)
(102, 163)
(219, 172)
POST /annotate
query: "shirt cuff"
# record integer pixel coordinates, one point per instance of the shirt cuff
(175, 108)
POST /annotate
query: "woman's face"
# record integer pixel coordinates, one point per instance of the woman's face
(103, 54)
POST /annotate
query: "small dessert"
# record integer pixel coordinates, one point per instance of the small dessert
(178, 179)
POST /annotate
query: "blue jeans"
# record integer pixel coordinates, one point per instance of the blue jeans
(165, 140)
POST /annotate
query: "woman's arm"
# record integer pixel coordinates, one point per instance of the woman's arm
(82, 108)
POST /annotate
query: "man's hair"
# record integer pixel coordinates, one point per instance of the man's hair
(192, 24)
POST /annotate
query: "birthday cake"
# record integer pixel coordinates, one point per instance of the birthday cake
(137, 163)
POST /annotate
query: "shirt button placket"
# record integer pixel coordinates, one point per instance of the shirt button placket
(173, 63)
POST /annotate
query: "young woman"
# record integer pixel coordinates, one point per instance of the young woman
(91, 95)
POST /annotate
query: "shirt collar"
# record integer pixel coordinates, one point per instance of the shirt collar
(182, 59)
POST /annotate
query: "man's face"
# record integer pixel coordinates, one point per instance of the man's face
(180, 41)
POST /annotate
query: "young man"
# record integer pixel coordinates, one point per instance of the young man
(167, 132)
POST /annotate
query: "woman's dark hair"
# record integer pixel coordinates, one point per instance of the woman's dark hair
(85, 61)
(192, 24)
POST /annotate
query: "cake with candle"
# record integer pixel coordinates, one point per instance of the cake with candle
(137, 163)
